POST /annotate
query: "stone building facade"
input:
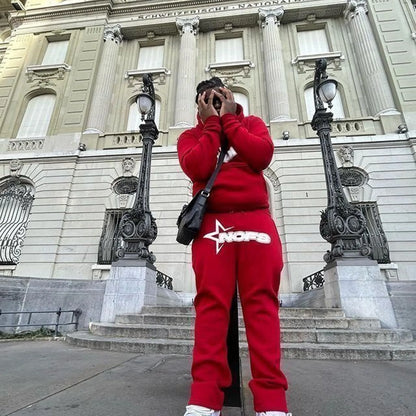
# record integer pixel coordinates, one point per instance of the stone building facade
(71, 69)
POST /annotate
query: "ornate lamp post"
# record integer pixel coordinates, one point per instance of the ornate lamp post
(137, 226)
(342, 224)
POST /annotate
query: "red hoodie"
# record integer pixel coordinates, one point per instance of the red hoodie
(240, 184)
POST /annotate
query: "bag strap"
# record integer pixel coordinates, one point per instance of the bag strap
(207, 190)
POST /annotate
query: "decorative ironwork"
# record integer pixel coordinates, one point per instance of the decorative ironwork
(163, 280)
(374, 235)
(15, 203)
(314, 280)
(342, 224)
(109, 240)
(138, 228)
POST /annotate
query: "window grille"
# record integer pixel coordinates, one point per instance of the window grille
(55, 52)
(15, 204)
(374, 235)
(38, 114)
(229, 50)
(150, 57)
(109, 237)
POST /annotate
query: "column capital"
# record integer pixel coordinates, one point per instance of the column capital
(271, 15)
(187, 25)
(113, 33)
(355, 7)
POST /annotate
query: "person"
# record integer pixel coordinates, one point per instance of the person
(237, 244)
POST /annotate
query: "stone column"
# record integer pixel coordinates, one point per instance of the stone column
(374, 80)
(277, 94)
(101, 99)
(185, 86)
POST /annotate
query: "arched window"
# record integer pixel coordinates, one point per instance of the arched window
(337, 109)
(35, 122)
(242, 99)
(134, 119)
(16, 199)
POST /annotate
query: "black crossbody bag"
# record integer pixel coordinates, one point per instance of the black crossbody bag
(190, 219)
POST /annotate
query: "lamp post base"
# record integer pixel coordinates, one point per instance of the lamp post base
(356, 285)
(130, 286)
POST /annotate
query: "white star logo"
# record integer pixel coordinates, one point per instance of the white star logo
(214, 236)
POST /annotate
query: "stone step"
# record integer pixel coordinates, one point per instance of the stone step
(288, 335)
(283, 312)
(290, 350)
(290, 322)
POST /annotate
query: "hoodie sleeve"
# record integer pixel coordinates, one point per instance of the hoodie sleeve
(251, 141)
(198, 149)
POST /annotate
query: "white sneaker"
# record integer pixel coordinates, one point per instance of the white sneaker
(193, 410)
(273, 414)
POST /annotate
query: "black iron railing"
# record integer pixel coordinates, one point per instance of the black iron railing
(74, 319)
(313, 281)
(163, 280)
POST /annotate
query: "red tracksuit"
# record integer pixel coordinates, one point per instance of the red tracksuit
(238, 242)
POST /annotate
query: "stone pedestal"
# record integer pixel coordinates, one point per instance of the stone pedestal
(390, 122)
(130, 286)
(357, 286)
(278, 127)
(174, 133)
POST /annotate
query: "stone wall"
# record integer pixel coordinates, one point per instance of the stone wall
(29, 294)
(73, 188)
(73, 192)
(403, 298)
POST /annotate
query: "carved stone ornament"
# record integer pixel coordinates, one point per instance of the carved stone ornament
(15, 167)
(127, 166)
(355, 7)
(134, 76)
(346, 154)
(230, 72)
(25, 145)
(113, 34)
(306, 63)
(271, 175)
(122, 200)
(354, 193)
(271, 16)
(126, 185)
(351, 176)
(44, 74)
(188, 25)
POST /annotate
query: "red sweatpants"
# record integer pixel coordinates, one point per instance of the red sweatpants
(242, 247)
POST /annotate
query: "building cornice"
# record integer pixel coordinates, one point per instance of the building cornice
(130, 14)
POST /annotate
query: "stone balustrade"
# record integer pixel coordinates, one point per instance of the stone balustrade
(347, 127)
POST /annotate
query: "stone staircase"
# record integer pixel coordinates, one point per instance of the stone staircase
(307, 333)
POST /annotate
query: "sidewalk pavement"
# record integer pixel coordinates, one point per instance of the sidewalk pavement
(51, 378)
